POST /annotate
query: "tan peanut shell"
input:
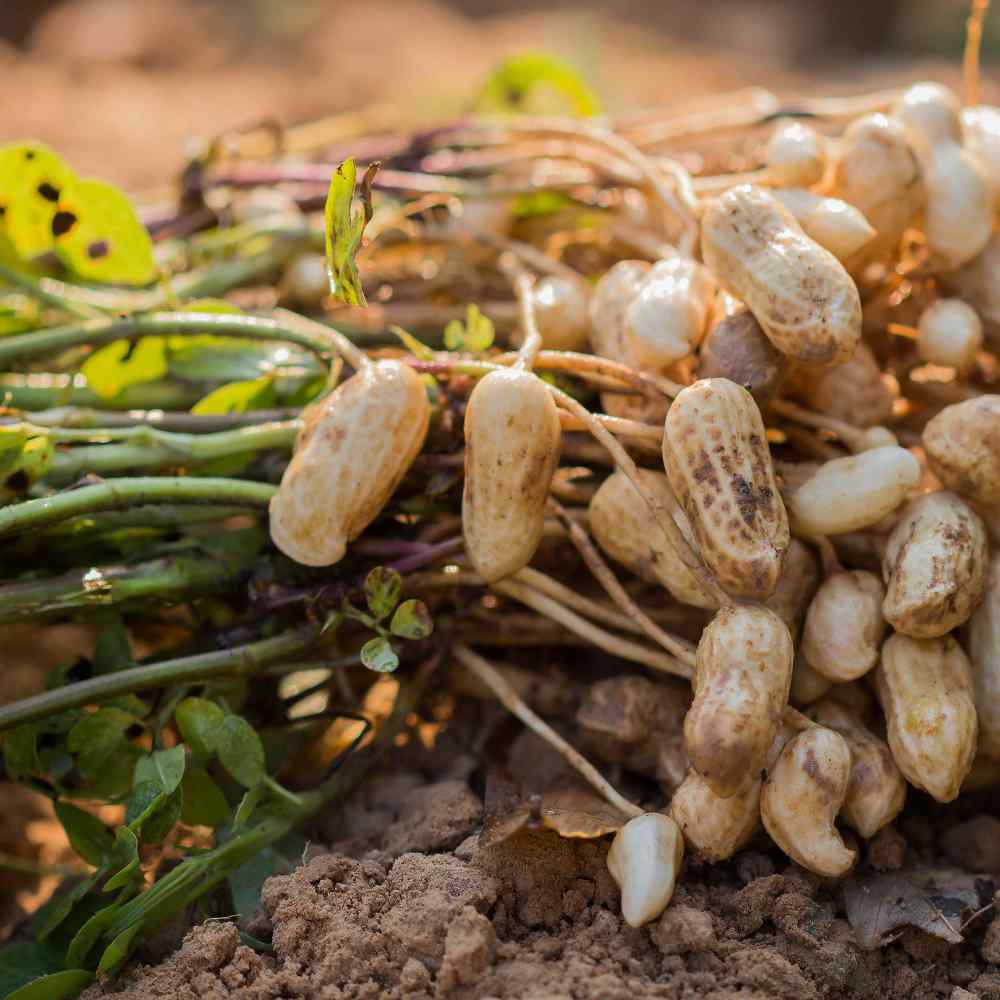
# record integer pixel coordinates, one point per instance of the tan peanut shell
(847, 494)
(561, 313)
(512, 440)
(795, 155)
(844, 626)
(983, 644)
(808, 684)
(963, 448)
(715, 828)
(355, 447)
(805, 302)
(950, 333)
(935, 566)
(925, 688)
(796, 586)
(620, 520)
(742, 676)
(876, 791)
(718, 462)
(737, 349)
(801, 797)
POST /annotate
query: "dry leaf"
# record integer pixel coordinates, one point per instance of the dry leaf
(576, 811)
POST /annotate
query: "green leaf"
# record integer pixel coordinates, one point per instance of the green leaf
(238, 397)
(164, 766)
(162, 818)
(88, 836)
(90, 933)
(119, 950)
(521, 76)
(241, 751)
(532, 204)
(120, 364)
(382, 589)
(345, 230)
(32, 180)
(96, 738)
(199, 721)
(416, 347)
(56, 986)
(412, 620)
(100, 238)
(245, 882)
(454, 335)
(20, 964)
(20, 752)
(144, 798)
(50, 916)
(204, 803)
(377, 654)
(124, 860)
(247, 805)
(112, 651)
(479, 330)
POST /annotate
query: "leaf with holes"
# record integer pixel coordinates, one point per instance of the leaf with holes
(32, 180)
(120, 364)
(99, 237)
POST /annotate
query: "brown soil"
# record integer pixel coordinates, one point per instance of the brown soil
(409, 903)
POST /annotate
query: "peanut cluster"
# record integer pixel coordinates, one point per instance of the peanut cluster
(802, 375)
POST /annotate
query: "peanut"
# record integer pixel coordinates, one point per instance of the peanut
(644, 860)
(795, 155)
(832, 223)
(354, 449)
(801, 797)
(796, 586)
(935, 566)
(808, 685)
(561, 313)
(742, 676)
(981, 132)
(978, 284)
(714, 827)
(620, 521)
(950, 334)
(855, 492)
(737, 349)
(926, 691)
(963, 448)
(512, 439)
(983, 644)
(844, 626)
(876, 791)
(804, 300)
(717, 459)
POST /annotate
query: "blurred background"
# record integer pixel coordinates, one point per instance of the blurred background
(121, 86)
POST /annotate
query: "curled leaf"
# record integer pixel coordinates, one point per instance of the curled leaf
(344, 231)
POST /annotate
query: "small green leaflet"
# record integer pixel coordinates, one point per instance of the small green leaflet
(382, 589)
(56, 986)
(88, 836)
(119, 949)
(377, 654)
(238, 397)
(165, 767)
(240, 750)
(412, 620)
(345, 230)
(117, 365)
(199, 721)
(124, 853)
(99, 237)
(204, 804)
(475, 335)
(530, 74)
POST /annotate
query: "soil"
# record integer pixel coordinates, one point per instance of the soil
(412, 899)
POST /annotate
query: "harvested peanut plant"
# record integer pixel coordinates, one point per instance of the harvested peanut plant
(531, 389)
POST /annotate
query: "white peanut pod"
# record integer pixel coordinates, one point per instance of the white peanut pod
(742, 675)
(962, 444)
(834, 224)
(669, 314)
(926, 691)
(609, 303)
(512, 440)
(847, 494)
(981, 134)
(876, 791)
(717, 459)
(801, 797)
(561, 313)
(935, 566)
(876, 171)
(795, 155)
(714, 827)
(844, 626)
(355, 447)
(620, 520)
(804, 300)
(983, 644)
(950, 333)
(644, 860)
(978, 284)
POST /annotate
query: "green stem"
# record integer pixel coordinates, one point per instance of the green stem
(43, 390)
(323, 341)
(120, 493)
(150, 448)
(162, 516)
(166, 579)
(239, 661)
(103, 421)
